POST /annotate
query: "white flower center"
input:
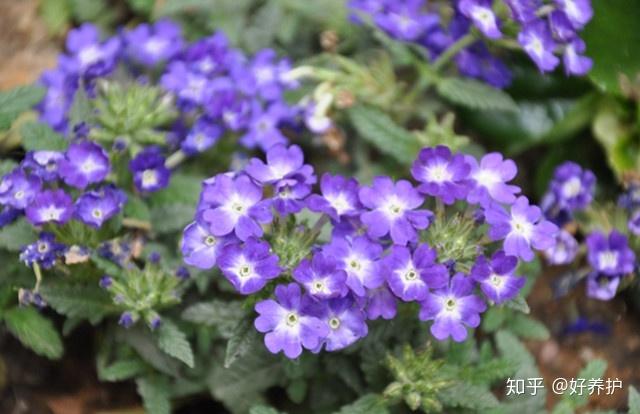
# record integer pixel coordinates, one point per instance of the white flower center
(521, 226)
(318, 286)
(19, 195)
(450, 304)
(264, 74)
(334, 323)
(497, 281)
(410, 274)
(210, 241)
(149, 178)
(43, 247)
(608, 259)
(572, 187)
(292, 319)
(394, 207)
(339, 202)
(89, 166)
(155, 45)
(89, 55)
(486, 178)
(97, 213)
(439, 173)
(51, 213)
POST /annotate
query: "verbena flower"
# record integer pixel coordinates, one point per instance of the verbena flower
(634, 223)
(522, 228)
(610, 255)
(411, 275)
(203, 135)
(346, 323)
(50, 206)
(442, 174)
(45, 251)
(248, 266)
(282, 163)
(572, 186)
(96, 207)
(579, 12)
(43, 164)
(405, 20)
(537, 41)
(564, 250)
(149, 171)
(84, 163)
(287, 326)
(574, 62)
(18, 190)
(151, 44)
(263, 129)
(380, 303)
(481, 13)
(321, 277)
(339, 197)
(601, 286)
(489, 178)
(393, 210)
(88, 56)
(61, 87)
(200, 248)
(496, 277)
(452, 309)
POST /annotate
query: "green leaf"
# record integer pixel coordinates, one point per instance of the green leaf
(154, 391)
(56, 14)
(34, 331)
(383, 133)
(81, 108)
(634, 401)
(244, 340)
(77, 300)
(174, 342)
(17, 100)
(222, 315)
(145, 345)
(595, 369)
(512, 349)
(37, 136)
(172, 208)
(614, 23)
(526, 327)
(519, 304)
(137, 209)
(121, 370)
(493, 319)
(172, 217)
(16, 235)
(475, 95)
(469, 396)
(367, 404)
(263, 409)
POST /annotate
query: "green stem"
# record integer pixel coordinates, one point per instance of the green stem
(38, 272)
(453, 50)
(175, 159)
(317, 228)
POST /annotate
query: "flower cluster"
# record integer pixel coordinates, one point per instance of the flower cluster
(610, 257)
(389, 242)
(544, 30)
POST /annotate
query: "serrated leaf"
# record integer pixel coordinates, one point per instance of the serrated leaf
(155, 394)
(37, 136)
(512, 349)
(595, 369)
(526, 327)
(34, 331)
(244, 340)
(222, 315)
(78, 300)
(469, 396)
(634, 401)
(475, 95)
(105, 265)
(174, 342)
(81, 110)
(145, 345)
(519, 304)
(382, 132)
(15, 236)
(367, 404)
(17, 100)
(121, 370)
(168, 218)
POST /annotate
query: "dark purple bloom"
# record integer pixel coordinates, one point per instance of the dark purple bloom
(263, 129)
(634, 223)
(579, 12)
(477, 62)
(481, 13)
(537, 41)
(339, 197)
(210, 55)
(523, 11)
(490, 179)
(282, 163)
(84, 163)
(441, 174)
(452, 309)
(202, 136)
(406, 20)
(290, 196)
(287, 326)
(44, 164)
(50, 206)
(126, 320)
(44, 251)
(149, 171)
(264, 75)
(321, 277)
(574, 62)
(96, 207)
(106, 282)
(522, 228)
(346, 323)
(561, 27)
(200, 248)
(8, 215)
(191, 88)
(564, 250)
(410, 276)
(380, 302)
(88, 56)
(250, 266)
(236, 207)
(496, 277)
(152, 44)
(572, 186)
(611, 255)
(393, 210)
(602, 287)
(53, 108)
(17, 190)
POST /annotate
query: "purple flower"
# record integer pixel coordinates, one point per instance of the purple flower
(561, 27)
(263, 129)
(380, 302)
(202, 136)
(359, 257)
(53, 108)
(393, 210)
(537, 41)
(96, 207)
(200, 248)
(411, 276)
(282, 163)
(264, 75)
(574, 62)
(152, 44)
(18, 190)
(339, 197)
(523, 11)
(50, 206)
(250, 266)
(88, 56)
(480, 12)
(572, 186)
(321, 277)
(44, 251)
(290, 195)
(8, 215)
(602, 287)
(149, 171)
(236, 207)
(452, 309)
(210, 55)
(611, 255)
(44, 164)
(579, 12)
(191, 88)
(346, 323)
(496, 277)
(634, 223)
(477, 62)
(490, 179)
(564, 250)
(84, 163)
(406, 20)
(287, 326)
(522, 228)
(441, 174)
